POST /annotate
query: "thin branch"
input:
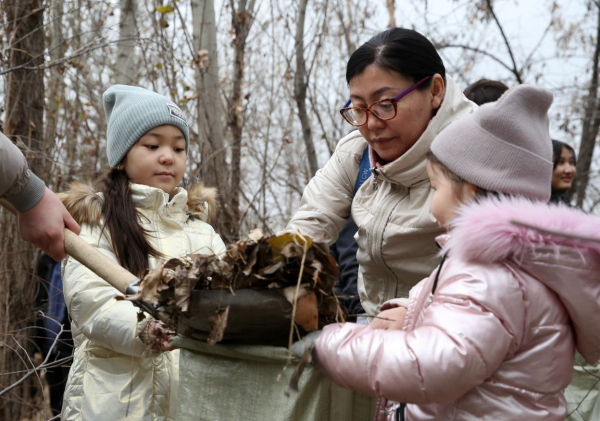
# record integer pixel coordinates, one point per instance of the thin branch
(512, 57)
(479, 51)
(45, 364)
(83, 50)
(256, 211)
(529, 57)
(186, 34)
(584, 398)
(262, 185)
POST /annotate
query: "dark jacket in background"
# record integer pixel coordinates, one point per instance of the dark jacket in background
(560, 197)
(344, 251)
(51, 301)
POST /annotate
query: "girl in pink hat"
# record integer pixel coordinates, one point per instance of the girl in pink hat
(491, 334)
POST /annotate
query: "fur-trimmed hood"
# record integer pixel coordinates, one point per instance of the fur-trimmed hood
(84, 201)
(564, 253)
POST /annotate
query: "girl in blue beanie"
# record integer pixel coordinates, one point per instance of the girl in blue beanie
(136, 215)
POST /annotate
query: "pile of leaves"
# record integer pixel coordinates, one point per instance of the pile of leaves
(304, 272)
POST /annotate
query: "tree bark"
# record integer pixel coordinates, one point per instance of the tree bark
(125, 67)
(23, 124)
(300, 86)
(392, 12)
(346, 26)
(241, 19)
(591, 124)
(72, 109)
(210, 118)
(56, 84)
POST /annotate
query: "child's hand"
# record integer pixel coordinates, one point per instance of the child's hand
(391, 319)
(157, 336)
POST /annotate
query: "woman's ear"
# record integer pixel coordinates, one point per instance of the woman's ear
(437, 90)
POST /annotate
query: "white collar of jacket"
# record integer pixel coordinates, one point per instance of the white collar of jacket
(84, 202)
(411, 168)
(484, 232)
(155, 199)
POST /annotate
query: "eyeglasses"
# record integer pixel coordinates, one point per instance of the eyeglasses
(383, 110)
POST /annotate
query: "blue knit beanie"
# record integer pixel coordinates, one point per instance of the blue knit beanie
(132, 112)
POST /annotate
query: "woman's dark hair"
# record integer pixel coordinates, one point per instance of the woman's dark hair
(485, 90)
(128, 238)
(557, 147)
(401, 50)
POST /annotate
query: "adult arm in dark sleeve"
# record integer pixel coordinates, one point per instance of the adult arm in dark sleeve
(344, 251)
(42, 216)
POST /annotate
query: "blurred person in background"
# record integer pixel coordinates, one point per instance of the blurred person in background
(485, 90)
(565, 161)
(49, 340)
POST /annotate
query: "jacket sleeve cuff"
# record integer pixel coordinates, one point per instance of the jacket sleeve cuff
(30, 195)
(396, 302)
(144, 336)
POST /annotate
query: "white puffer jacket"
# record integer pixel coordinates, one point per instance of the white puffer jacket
(113, 377)
(396, 231)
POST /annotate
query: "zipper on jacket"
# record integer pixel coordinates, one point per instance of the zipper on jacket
(375, 175)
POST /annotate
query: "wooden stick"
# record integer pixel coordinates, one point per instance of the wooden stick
(117, 276)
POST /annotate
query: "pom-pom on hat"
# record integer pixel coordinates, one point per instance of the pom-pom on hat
(503, 146)
(131, 112)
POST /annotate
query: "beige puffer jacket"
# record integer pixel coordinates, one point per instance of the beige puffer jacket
(112, 374)
(396, 232)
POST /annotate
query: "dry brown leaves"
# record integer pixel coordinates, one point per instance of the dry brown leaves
(257, 262)
(218, 323)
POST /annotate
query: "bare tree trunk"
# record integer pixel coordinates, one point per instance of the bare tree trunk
(125, 68)
(56, 84)
(591, 124)
(241, 20)
(210, 118)
(73, 110)
(392, 12)
(23, 123)
(25, 92)
(347, 25)
(300, 86)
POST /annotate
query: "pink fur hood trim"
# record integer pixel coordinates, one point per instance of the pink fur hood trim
(484, 232)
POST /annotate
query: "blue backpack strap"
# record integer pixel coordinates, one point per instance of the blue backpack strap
(363, 171)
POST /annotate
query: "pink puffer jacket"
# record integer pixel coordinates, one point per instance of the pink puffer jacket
(497, 340)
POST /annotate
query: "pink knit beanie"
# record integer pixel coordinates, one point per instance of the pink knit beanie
(503, 146)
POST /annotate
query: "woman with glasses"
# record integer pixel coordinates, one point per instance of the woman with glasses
(400, 98)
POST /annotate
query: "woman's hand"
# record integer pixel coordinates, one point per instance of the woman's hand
(157, 336)
(391, 319)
